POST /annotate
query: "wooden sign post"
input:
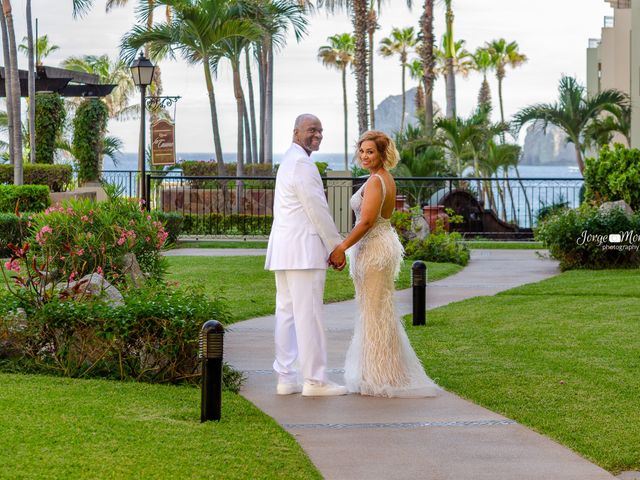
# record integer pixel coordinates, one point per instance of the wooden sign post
(163, 144)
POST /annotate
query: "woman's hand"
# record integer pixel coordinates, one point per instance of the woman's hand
(338, 259)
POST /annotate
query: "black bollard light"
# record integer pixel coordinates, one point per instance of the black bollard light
(211, 343)
(419, 283)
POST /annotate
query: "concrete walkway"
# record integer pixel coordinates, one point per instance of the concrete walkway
(357, 437)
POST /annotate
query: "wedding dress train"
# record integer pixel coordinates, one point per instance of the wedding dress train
(380, 360)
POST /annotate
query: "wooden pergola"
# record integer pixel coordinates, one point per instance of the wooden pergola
(67, 83)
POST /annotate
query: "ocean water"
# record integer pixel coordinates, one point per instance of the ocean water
(128, 161)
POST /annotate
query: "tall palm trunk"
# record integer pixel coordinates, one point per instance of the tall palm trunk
(346, 117)
(372, 22)
(7, 82)
(360, 29)
(248, 152)
(262, 61)
(579, 159)
(404, 97)
(16, 138)
(214, 117)
(237, 91)
(526, 197)
(268, 124)
(500, 73)
(428, 61)
(450, 75)
(252, 110)
(32, 88)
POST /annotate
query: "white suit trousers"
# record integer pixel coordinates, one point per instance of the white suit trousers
(299, 332)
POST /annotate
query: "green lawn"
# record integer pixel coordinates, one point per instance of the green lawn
(65, 428)
(504, 245)
(561, 356)
(250, 289)
(223, 244)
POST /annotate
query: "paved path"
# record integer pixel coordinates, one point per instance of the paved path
(357, 437)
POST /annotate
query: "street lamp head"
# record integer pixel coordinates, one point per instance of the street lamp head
(142, 71)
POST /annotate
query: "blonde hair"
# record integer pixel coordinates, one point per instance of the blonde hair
(384, 144)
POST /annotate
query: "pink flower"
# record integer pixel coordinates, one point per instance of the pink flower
(62, 258)
(99, 270)
(84, 218)
(72, 276)
(146, 239)
(12, 265)
(121, 240)
(80, 252)
(40, 236)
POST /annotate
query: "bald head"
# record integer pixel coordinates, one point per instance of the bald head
(307, 132)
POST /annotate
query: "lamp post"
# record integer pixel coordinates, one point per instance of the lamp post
(142, 73)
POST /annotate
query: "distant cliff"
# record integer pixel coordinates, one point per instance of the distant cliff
(549, 149)
(389, 111)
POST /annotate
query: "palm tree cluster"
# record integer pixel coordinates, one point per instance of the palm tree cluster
(209, 32)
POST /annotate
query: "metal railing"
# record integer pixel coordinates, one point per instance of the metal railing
(490, 207)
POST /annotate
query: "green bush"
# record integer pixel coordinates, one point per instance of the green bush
(201, 168)
(153, 337)
(579, 238)
(50, 116)
(439, 246)
(56, 177)
(614, 175)
(26, 198)
(82, 237)
(172, 221)
(89, 129)
(232, 224)
(13, 229)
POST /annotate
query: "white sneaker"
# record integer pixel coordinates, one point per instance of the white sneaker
(288, 388)
(323, 389)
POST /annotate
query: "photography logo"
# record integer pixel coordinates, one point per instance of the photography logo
(623, 241)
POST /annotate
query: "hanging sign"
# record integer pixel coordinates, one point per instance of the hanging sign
(163, 145)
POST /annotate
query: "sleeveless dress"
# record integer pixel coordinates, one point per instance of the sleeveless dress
(380, 360)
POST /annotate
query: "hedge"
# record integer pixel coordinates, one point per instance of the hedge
(13, 229)
(56, 177)
(232, 224)
(27, 198)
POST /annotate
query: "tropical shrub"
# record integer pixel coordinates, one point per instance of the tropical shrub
(24, 198)
(153, 337)
(13, 229)
(230, 224)
(89, 129)
(82, 237)
(172, 222)
(50, 116)
(614, 175)
(439, 246)
(580, 238)
(56, 177)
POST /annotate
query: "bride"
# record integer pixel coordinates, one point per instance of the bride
(380, 360)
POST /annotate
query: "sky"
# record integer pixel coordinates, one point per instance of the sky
(552, 33)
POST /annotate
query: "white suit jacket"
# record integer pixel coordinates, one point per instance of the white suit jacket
(303, 233)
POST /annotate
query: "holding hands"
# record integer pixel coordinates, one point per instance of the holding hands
(338, 259)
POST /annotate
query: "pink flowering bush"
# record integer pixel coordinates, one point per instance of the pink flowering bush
(82, 237)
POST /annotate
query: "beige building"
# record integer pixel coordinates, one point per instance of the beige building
(611, 62)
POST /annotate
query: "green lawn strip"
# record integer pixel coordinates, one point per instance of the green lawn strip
(222, 244)
(616, 283)
(565, 365)
(250, 289)
(504, 245)
(65, 428)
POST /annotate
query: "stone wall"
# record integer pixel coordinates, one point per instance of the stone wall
(206, 201)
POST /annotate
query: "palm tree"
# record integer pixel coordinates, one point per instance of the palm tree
(195, 31)
(43, 48)
(359, 19)
(448, 47)
(339, 54)
(372, 26)
(400, 43)
(504, 54)
(32, 87)
(483, 62)
(427, 56)
(600, 132)
(114, 72)
(573, 112)
(13, 93)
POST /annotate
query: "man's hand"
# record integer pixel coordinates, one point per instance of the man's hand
(338, 259)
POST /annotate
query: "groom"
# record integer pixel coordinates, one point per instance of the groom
(302, 237)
